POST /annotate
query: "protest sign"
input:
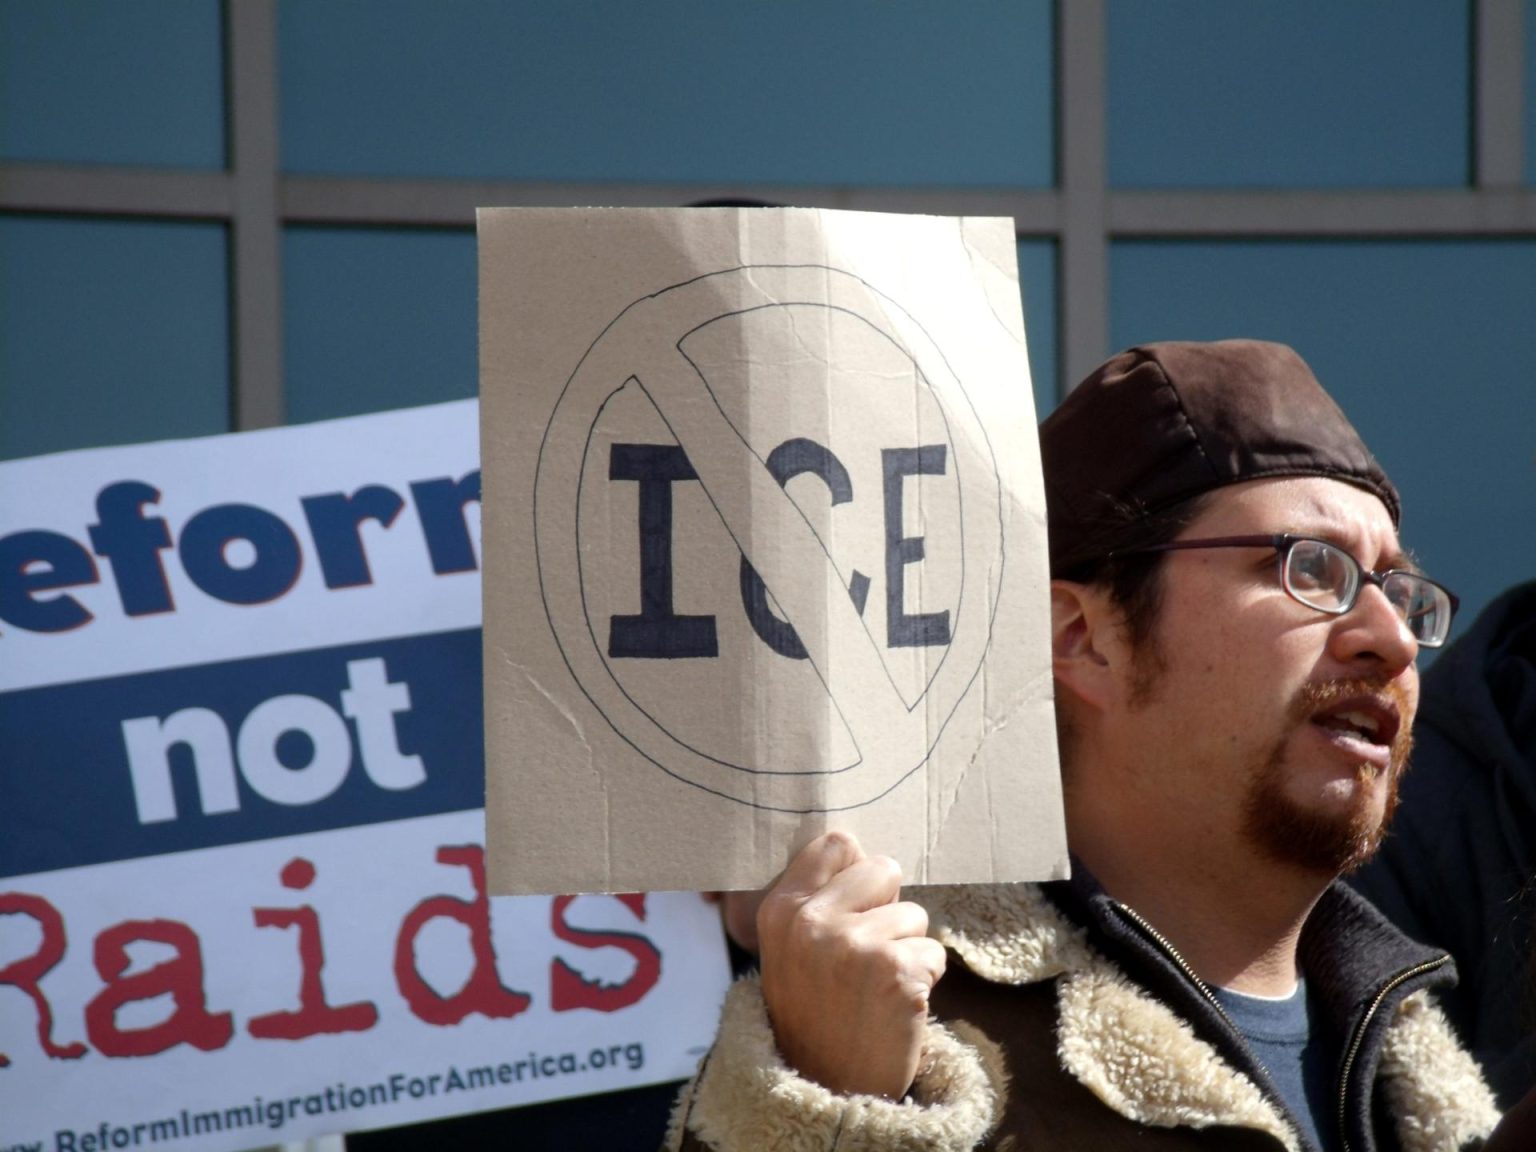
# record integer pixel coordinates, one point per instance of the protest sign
(765, 548)
(242, 878)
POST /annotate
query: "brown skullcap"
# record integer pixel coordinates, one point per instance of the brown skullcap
(1162, 423)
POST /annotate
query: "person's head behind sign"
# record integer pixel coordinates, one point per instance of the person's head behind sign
(1234, 619)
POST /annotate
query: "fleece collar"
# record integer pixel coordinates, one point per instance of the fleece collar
(1136, 1054)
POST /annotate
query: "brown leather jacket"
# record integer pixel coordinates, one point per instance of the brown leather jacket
(1064, 1022)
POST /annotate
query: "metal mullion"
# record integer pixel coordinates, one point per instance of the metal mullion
(1312, 213)
(112, 191)
(437, 203)
(1083, 263)
(256, 233)
(1499, 94)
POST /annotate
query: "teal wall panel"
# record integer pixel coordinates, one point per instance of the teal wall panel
(1037, 282)
(800, 91)
(108, 82)
(111, 332)
(376, 319)
(1289, 93)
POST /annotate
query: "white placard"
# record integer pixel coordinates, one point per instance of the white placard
(242, 873)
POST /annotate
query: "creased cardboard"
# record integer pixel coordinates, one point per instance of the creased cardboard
(764, 549)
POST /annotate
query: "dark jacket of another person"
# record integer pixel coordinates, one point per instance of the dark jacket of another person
(1459, 868)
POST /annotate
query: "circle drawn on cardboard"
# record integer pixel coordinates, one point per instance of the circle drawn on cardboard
(892, 735)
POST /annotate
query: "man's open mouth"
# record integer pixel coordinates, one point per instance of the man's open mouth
(1370, 720)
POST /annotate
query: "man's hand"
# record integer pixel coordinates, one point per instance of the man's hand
(847, 969)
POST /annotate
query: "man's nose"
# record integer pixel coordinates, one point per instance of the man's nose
(1374, 633)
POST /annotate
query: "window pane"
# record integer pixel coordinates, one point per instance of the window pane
(1425, 344)
(1288, 93)
(1037, 280)
(377, 319)
(107, 82)
(110, 333)
(852, 91)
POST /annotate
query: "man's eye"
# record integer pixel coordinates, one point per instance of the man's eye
(1314, 567)
(1411, 597)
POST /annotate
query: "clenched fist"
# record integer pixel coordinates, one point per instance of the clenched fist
(847, 969)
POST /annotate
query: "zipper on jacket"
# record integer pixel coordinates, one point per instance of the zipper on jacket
(1355, 1041)
(1359, 1038)
(1205, 990)
(1182, 964)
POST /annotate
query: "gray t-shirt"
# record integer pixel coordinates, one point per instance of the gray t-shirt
(1281, 1035)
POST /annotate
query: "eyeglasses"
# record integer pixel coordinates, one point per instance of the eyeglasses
(1324, 576)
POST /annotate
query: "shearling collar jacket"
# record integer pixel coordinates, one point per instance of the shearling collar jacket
(1068, 1023)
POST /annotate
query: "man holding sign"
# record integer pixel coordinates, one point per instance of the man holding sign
(1234, 630)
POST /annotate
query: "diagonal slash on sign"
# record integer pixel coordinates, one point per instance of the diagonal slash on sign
(775, 537)
(642, 344)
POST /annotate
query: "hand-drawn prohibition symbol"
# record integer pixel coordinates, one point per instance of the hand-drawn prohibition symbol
(643, 345)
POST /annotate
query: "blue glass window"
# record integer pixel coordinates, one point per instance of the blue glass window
(1289, 93)
(377, 319)
(104, 82)
(800, 91)
(1037, 281)
(1425, 344)
(111, 332)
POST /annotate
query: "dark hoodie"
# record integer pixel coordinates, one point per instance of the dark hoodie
(1459, 868)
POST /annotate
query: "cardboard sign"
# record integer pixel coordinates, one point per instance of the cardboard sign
(242, 876)
(765, 548)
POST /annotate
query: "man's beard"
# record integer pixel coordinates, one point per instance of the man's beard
(1332, 842)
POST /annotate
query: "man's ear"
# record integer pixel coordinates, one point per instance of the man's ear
(1084, 635)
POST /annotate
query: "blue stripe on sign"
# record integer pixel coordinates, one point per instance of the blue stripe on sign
(352, 753)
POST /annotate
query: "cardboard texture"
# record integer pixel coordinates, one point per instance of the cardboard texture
(764, 549)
